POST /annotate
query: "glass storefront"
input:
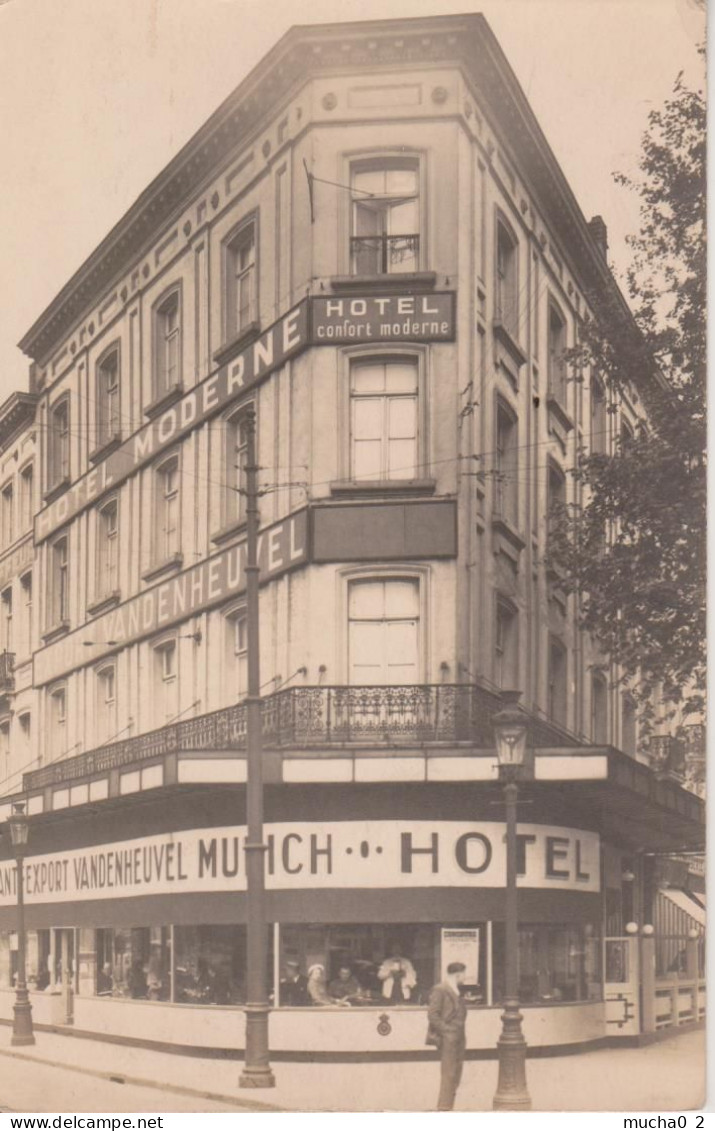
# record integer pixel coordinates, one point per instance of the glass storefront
(557, 962)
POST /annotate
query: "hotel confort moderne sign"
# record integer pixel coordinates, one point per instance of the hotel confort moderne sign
(314, 855)
(316, 321)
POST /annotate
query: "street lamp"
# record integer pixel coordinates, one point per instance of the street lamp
(510, 732)
(22, 1033)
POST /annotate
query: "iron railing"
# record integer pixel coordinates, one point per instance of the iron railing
(384, 255)
(392, 716)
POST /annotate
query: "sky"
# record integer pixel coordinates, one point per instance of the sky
(96, 96)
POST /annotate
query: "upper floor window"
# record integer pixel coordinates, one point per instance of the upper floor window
(167, 344)
(26, 592)
(57, 721)
(59, 583)
(385, 237)
(557, 369)
(108, 425)
(59, 443)
(166, 690)
(629, 726)
(6, 603)
(237, 653)
(106, 703)
(557, 677)
(235, 469)
(556, 497)
(599, 709)
(241, 281)
(384, 433)
(108, 549)
(383, 631)
(626, 432)
(506, 477)
(25, 721)
(166, 529)
(8, 515)
(599, 417)
(507, 294)
(5, 747)
(27, 478)
(506, 645)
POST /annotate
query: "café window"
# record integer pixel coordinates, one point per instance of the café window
(557, 677)
(108, 549)
(384, 419)
(557, 963)
(59, 443)
(210, 963)
(134, 962)
(557, 370)
(240, 264)
(384, 631)
(506, 471)
(599, 709)
(167, 344)
(385, 236)
(37, 959)
(108, 397)
(507, 294)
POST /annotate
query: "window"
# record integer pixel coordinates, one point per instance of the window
(167, 331)
(599, 709)
(383, 632)
(506, 477)
(385, 219)
(383, 403)
(629, 726)
(557, 675)
(26, 591)
(59, 443)
(106, 703)
(237, 653)
(107, 549)
(108, 425)
(26, 497)
(8, 517)
(6, 603)
(556, 500)
(167, 519)
(59, 583)
(211, 964)
(235, 469)
(241, 305)
(599, 418)
(557, 962)
(57, 737)
(166, 682)
(25, 721)
(556, 355)
(134, 962)
(506, 642)
(626, 434)
(507, 297)
(5, 747)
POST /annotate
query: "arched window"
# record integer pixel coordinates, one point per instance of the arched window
(108, 421)
(167, 344)
(385, 236)
(241, 280)
(59, 443)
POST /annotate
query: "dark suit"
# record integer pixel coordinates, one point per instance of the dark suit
(447, 1015)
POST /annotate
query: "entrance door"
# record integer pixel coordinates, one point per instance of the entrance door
(621, 986)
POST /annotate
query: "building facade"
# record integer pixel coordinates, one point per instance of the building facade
(371, 246)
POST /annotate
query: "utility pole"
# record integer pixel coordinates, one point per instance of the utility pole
(256, 1069)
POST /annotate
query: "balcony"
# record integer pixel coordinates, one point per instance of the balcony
(384, 255)
(7, 672)
(318, 717)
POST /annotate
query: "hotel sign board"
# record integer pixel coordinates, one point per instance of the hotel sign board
(281, 547)
(313, 855)
(319, 321)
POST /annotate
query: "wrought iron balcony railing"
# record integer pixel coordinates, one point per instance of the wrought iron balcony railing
(307, 717)
(384, 255)
(7, 672)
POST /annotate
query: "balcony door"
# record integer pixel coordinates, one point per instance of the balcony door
(383, 632)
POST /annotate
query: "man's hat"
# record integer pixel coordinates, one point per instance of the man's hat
(455, 967)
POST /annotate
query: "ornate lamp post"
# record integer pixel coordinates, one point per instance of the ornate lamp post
(510, 731)
(22, 1033)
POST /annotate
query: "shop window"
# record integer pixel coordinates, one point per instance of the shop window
(506, 471)
(37, 953)
(108, 549)
(166, 530)
(134, 962)
(234, 508)
(557, 676)
(59, 583)
(629, 726)
(241, 305)
(385, 237)
(237, 654)
(507, 295)
(557, 369)
(106, 703)
(27, 478)
(557, 963)
(599, 709)
(59, 443)
(167, 345)
(107, 377)
(6, 607)
(599, 417)
(384, 631)
(8, 515)
(384, 419)
(210, 964)
(506, 645)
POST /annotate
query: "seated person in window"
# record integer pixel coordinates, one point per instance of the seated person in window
(317, 988)
(346, 986)
(398, 977)
(294, 986)
(136, 981)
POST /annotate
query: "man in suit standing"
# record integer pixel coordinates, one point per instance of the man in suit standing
(447, 1015)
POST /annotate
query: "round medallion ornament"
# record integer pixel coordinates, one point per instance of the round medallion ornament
(330, 101)
(440, 95)
(384, 1027)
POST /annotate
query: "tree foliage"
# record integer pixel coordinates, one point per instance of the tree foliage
(634, 549)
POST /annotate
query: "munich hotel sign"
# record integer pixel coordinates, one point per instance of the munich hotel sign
(339, 854)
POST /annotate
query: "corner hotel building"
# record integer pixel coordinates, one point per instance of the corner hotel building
(370, 243)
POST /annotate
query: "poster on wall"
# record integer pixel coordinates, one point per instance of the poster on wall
(461, 944)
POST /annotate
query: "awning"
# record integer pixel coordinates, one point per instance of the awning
(683, 902)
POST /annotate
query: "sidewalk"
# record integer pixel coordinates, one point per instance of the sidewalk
(665, 1076)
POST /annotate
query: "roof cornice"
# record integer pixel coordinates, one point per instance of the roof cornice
(17, 412)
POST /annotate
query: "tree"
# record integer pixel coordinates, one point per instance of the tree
(634, 549)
